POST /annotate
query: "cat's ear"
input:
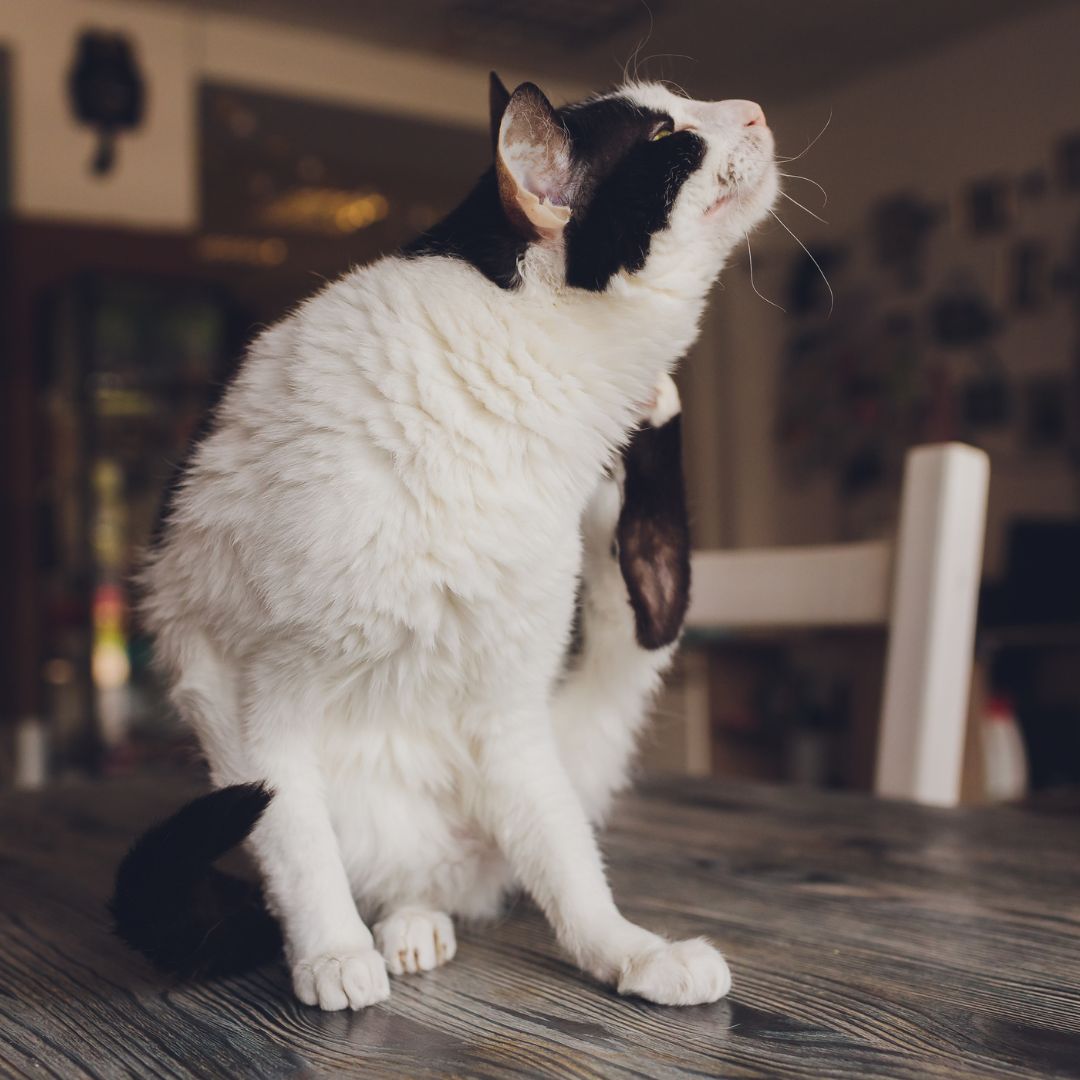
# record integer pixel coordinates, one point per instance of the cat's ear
(498, 99)
(532, 161)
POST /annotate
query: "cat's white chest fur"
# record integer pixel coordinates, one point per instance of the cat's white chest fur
(397, 479)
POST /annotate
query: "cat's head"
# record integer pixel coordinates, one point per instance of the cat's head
(639, 183)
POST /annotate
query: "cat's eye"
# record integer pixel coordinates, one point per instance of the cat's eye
(663, 131)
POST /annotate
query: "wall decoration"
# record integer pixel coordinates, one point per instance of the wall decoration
(1046, 412)
(807, 292)
(938, 334)
(1033, 185)
(1067, 162)
(1029, 275)
(987, 401)
(901, 225)
(863, 471)
(106, 90)
(989, 206)
(962, 317)
(1066, 277)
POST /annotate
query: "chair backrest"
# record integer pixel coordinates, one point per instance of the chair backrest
(923, 586)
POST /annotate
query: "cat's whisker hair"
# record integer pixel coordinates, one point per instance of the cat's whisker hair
(636, 54)
(750, 257)
(796, 176)
(805, 209)
(809, 255)
(753, 284)
(806, 149)
(669, 83)
(630, 59)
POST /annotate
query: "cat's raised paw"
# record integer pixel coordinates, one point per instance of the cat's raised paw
(415, 939)
(346, 981)
(684, 973)
(665, 404)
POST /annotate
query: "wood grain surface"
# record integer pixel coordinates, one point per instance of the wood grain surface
(867, 939)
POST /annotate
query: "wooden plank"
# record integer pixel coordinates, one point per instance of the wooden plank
(867, 939)
(828, 585)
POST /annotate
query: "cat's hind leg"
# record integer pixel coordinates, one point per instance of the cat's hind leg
(415, 939)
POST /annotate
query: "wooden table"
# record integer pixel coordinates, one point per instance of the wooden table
(866, 939)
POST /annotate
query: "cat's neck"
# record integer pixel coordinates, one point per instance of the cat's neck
(478, 233)
(586, 358)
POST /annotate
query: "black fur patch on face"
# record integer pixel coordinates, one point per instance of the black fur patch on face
(654, 534)
(627, 186)
(624, 188)
(479, 233)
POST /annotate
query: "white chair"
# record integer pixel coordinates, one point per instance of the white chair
(923, 587)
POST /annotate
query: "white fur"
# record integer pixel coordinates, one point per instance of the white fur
(414, 940)
(367, 584)
(665, 405)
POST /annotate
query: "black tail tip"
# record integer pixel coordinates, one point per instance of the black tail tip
(186, 917)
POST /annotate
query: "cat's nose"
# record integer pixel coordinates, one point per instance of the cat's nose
(742, 113)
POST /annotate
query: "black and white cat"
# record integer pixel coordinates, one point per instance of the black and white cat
(364, 593)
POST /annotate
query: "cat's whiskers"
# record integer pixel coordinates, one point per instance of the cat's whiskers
(809, 255)
(753, 284)
(806, 149)
(806, 209)
(671, 84)
(796, 176)
(750, 257)
(634, 56)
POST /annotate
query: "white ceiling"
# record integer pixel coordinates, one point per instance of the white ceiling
(770, 50)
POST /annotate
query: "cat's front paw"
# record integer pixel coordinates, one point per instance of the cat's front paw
(665, 403)
(415, 939)
(684, 973)
(349, 980)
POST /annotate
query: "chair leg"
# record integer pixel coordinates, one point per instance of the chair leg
(937, 569)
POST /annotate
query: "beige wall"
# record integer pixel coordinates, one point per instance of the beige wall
(994, 103)
(155, 181)
(987, 104)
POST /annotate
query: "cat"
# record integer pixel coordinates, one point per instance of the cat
(633, 594)
(364, 590)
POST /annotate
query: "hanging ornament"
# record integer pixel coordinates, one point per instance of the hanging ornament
(106, 91)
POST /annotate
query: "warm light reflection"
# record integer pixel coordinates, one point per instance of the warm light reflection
(252, 250)
(326, 210)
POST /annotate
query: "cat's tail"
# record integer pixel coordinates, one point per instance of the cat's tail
(187, 917)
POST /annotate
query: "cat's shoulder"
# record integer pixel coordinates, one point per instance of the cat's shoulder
(408, 278)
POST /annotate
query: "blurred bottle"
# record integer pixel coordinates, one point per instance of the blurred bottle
(110, 666)
(1005, 764)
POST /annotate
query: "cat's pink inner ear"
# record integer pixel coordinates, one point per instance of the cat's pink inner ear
(533, 162)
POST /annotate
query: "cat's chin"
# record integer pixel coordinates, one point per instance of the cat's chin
(751, 199)
(719, 205)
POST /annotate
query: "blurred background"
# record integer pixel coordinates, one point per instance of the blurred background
(175, 175)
